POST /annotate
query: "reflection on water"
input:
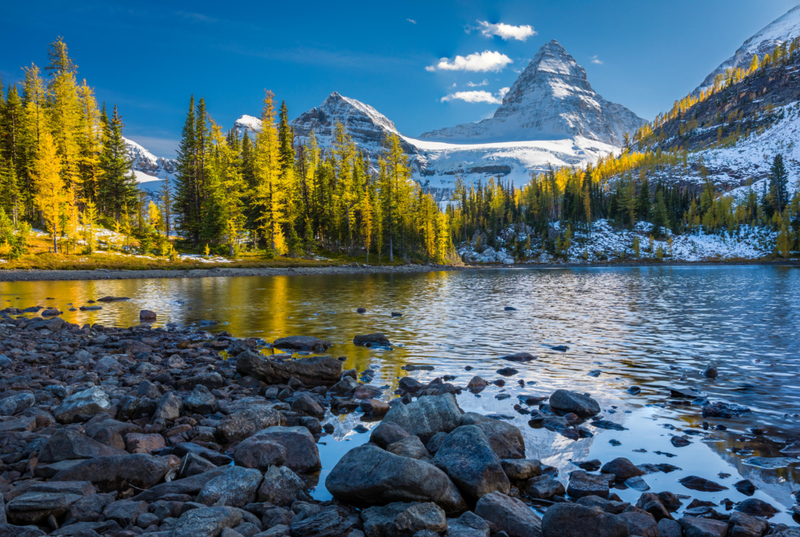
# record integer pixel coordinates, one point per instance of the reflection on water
(639, 326)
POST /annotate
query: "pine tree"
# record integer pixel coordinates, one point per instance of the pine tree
(117, 187)
(187, 202)
(270, 191)
(50, 195)
(778, 197)
(660, 216)
(643, 200)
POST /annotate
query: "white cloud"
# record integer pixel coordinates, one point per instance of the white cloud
(479, 84)
(506, 31)
(476, 96)
(412, 21)
(479, 62)
(596, 60)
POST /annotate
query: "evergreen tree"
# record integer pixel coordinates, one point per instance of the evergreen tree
(660, 216)
(778, 196)
(187, 191)
(117, 187)
(643, 200)
(50, 193)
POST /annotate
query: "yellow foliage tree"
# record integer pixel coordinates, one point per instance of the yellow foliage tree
(50, 195)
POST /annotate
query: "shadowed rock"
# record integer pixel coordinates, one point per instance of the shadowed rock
(313, 371)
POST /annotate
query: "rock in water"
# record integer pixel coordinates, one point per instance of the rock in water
(313, 371)
(467, 458)
(577, 403)
(404, 519)
(710, 372)
(509, 515)
(147, 316)
(622, 469)
(703, 527)
(302, 343)
(573, 520)
(506, 439)
(700, 484)
(368, 475)
(582, 484)
(302, 454)
(427, 416)
(372, 340)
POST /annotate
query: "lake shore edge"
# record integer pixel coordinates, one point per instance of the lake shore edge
(352, 269)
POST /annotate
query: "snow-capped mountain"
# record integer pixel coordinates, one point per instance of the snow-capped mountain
(551, 100)
(781, 30)
(146, 163)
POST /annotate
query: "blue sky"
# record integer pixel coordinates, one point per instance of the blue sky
(149, 57)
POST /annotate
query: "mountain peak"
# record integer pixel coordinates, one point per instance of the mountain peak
(551, 100)
(784, 28)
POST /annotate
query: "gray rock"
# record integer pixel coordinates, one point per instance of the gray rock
(302, 343)
(543, 487)
(107, 365)
(577, 403)
(372, 340)
(427, 416)
(368, 475)
(344, 388)
(35, 507)
(125, 512)
(5, 362)
(742, 525)
(305, 404)
(208, 522)
(313, 371)
(16, 403)
(756, 507)
(468, 459)
(302, 454)
(281, 487)
(188, 485)
(653, 504)
(468, 525)
(327, 522)
(147, 316)
(400, 519)
(510, 515)
(573, 520)
(669, 528)
(193, 464)
(387, 433)
(621, 468)
(82, 406)
(245, 423)
(117, 472)
(703, 527)
(69, 444)
(169, 407)
(506, 440)
(582, 484)
(521, 469)
(639, 524)
(235, 488)
(259, 453)
(200, 400)
(410, 446)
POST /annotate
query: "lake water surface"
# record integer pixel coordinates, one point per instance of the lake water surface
(649, 327)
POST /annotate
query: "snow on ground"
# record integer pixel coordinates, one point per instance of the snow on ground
(606, 244)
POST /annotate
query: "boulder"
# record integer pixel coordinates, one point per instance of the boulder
(259, 453)
(639, 524)
(468, 459)
(245, 423)
(69, 444)
(411, 447)
(521, 469)
(372, 340)
(703, 527)
(236, 487)
(16, 403)
(574, 402)
(200, 400)
(125, 512)
(144, 443)
(574, 520)
(519, 357)
(81, 406)
(622, 469)
(742, 525)
(400, 519)
(147, 316)
(701, 484)
(669, 528)
(307, 405)
(313, 371)
(756, 507)
(302, 343)
(653, 504)
(509, 515)
(427, 416)
(506, 439)
(169, 407)
(208, 522)
(344, 388)
(117, 472)
(189, 485)
(582, 484)
(468, 525)
(302, 454)
(368, 475)
(281, 487)
(387, 433)
(332, 521)
(543, 487)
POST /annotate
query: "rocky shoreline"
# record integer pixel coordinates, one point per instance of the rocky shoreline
(175, 432)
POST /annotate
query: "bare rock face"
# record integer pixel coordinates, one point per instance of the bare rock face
(313, 371)
(551, 99)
